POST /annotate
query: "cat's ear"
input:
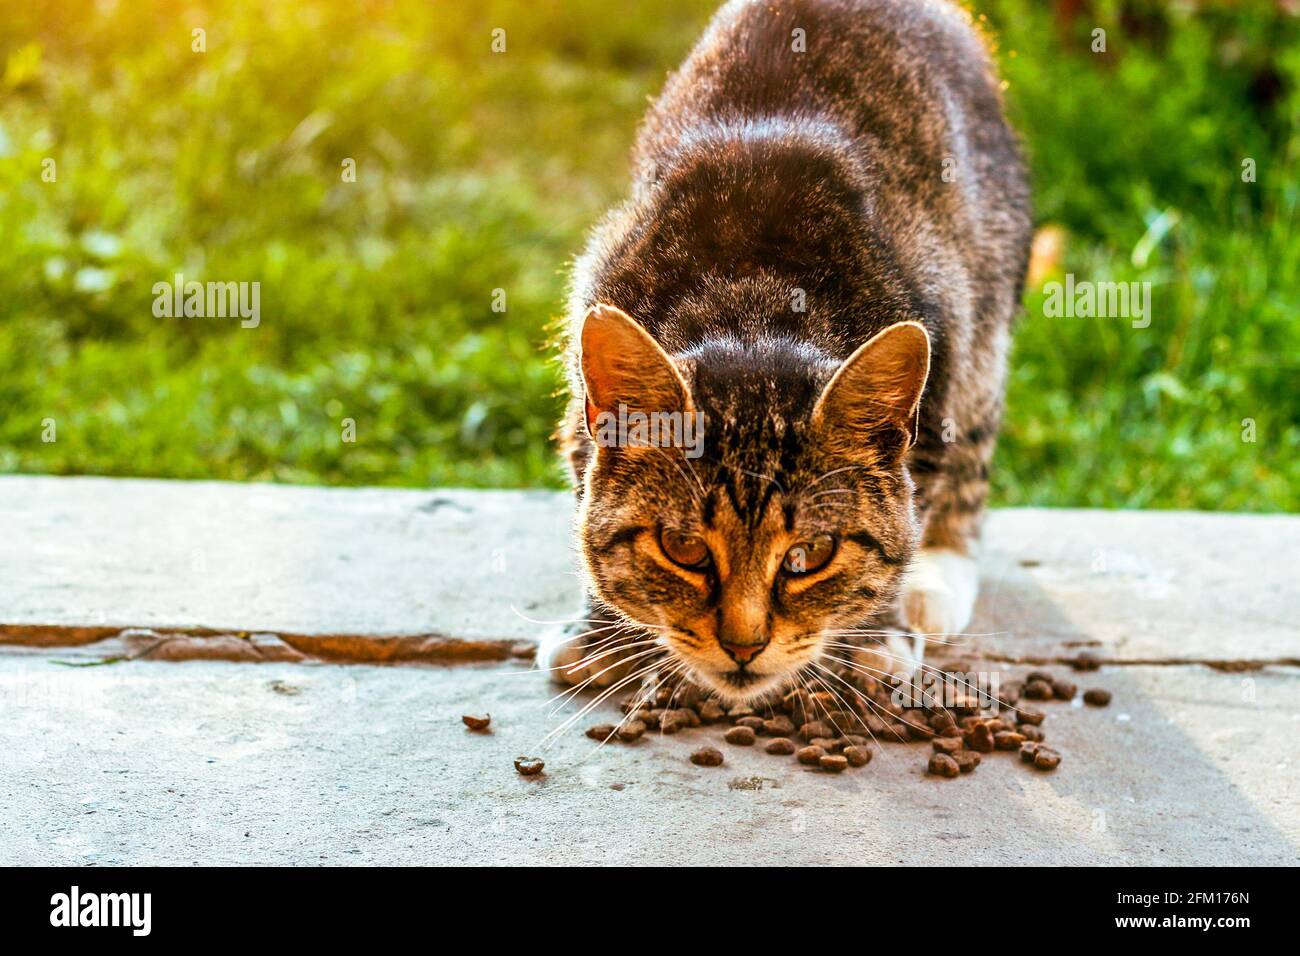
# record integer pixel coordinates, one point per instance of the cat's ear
(623, 365)
(877, 391)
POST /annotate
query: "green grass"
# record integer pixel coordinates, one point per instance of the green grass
(481, 171)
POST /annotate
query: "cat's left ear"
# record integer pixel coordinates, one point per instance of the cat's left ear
(623, 365)
(877, 391)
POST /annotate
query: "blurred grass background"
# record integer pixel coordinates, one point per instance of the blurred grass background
(479, 171)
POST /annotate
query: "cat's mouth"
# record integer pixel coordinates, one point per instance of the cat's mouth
(738, 685)
(741, 678)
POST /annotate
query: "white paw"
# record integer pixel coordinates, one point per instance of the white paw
(939, 592)
(569, 656)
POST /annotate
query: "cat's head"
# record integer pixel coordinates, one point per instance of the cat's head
(750, 553)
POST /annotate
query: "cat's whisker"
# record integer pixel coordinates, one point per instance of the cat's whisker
(868, 701)
(624, 621)
(568, 620)
(897, 631)
(564, 696)
(875, 706)
(627, 716)
(604, 641)
(602, 696)
(942, 674)
(935, 637)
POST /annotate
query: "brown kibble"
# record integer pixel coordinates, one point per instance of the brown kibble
(529, 766)
(1010, 693)
(603, 731)
(946, 745)
(941, 765)
(1030, 715)
(1030, 732)
(943, 723)
(689, 696)
(780, 746)
(671, 721)
(1038, 690)
(979, 738)
(1045, 758)
(810, 755)
(919, 730)
(474, 722)
(967, 760)
(740, 735)
(707, 757)
(1064, 690)
(710, 712)
(1008, 740)
(1028, 749)
(857, 756)
(834, 763)
(1043, 676)
(897, 731)
(828, 744)
(753, 723)
(816, 728)
(631, 731)
(1096, 697)
(778, 726)
(1085, 661)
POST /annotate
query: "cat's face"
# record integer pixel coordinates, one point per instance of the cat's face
(746, 556)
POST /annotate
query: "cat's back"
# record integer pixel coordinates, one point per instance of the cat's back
(908, 83)
(853, 148)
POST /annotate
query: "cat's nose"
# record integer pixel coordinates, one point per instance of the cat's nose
(743, 653)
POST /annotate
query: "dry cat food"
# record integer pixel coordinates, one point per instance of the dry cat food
(1085, 661)
(707, 757)
(941, 765)
(529, 766)
(474, 722)
(832, 729)
(740, 735)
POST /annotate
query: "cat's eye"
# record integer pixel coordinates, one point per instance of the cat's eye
(684, 548)
(810, 555)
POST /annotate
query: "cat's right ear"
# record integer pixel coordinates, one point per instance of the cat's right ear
(622, 365)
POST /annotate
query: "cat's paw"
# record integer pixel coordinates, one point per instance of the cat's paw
(570, 655)
(939, 592)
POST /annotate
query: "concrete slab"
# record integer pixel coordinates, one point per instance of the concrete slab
(83, 558)
(271, 572)
(204, 762)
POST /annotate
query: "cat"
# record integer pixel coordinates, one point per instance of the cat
(820, 262)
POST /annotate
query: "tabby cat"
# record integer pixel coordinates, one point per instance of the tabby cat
(820, 261)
